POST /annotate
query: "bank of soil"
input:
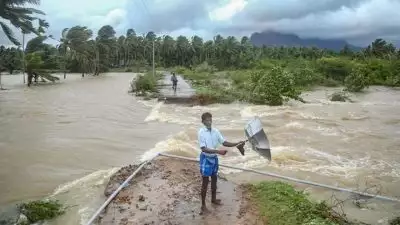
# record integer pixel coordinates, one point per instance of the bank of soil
(167, 191)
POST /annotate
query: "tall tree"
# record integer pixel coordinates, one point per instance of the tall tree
(19, 16)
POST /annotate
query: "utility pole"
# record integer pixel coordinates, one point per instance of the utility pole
(154, 71)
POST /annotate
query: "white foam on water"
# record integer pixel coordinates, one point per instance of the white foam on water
(317, 161)
(309, 116)
(85, 194)
(178, 144)
(149, 104)
(354, 116)
(326, 131)
(262, 111)
(380, 103)
(329, 102)
(294, 124)
(251, 159)
(156, 114)
(85, 181)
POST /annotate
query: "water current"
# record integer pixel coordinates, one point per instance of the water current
(66, 139)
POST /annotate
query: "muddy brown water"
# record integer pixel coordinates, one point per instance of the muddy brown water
(65, 140)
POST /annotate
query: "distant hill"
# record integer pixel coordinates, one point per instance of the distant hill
(273, 38)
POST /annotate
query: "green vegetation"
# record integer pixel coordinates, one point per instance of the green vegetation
(395, 221)
(41, 210)
(224, 69)
(146, 84)
(340, 96)
(273, 81)
(279, 203)
(35, 211)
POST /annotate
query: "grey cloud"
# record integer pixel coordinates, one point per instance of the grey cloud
(263, 10)
(357, 21)
(170, 15)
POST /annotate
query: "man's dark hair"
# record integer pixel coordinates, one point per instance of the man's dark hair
(205, 115)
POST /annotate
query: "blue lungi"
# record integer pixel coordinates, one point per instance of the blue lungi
(208, 165)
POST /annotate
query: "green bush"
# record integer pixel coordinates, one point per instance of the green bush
(334, 68)
(180, 70)
(146, 83)
(395, 221)
(357, 80)
(41, 210)
(272, 87)
(205, 67)
(339, 96)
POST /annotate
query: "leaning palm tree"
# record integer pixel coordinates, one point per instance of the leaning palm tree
(63, 49)
(19, 16)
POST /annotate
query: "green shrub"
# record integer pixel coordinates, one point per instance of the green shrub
(334, 68)
(41, 210)
(357, 80)
(205, 67)
(395, 221)
(146, 83)
(339, 96)
(272, 87)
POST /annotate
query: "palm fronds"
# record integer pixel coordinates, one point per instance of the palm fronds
(9, 33)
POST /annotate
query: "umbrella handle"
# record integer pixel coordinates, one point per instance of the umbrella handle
(244, 142)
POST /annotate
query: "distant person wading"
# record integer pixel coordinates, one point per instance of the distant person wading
(174, 80)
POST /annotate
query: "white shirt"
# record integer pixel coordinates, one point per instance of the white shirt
(210, 138)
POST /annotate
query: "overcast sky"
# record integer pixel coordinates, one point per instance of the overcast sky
(357, 21)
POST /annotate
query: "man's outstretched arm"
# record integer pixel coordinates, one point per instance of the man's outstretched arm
(230, 144)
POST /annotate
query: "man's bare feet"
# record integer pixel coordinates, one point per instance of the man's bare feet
(216, 202)
(203, 210)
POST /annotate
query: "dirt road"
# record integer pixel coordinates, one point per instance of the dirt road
(167, 191)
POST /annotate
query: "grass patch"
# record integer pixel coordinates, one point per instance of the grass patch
(41, 210)
(279, 203)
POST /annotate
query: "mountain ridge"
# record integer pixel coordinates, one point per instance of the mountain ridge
(273, 38)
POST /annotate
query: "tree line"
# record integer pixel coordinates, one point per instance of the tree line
(80, 49)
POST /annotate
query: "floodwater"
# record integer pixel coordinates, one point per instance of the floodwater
(64, 140)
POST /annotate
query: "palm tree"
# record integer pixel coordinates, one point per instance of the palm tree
(63, 49)
(19, 16)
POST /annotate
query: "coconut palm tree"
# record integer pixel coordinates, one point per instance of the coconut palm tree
(19, 16)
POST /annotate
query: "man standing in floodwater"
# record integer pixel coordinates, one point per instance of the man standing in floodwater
(174, 80)
(209, 140)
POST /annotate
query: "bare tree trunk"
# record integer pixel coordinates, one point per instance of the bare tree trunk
(97, 71)
(30, 77)
(1, 85)
(23, 57)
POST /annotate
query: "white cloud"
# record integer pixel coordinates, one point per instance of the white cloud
(227, 11)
